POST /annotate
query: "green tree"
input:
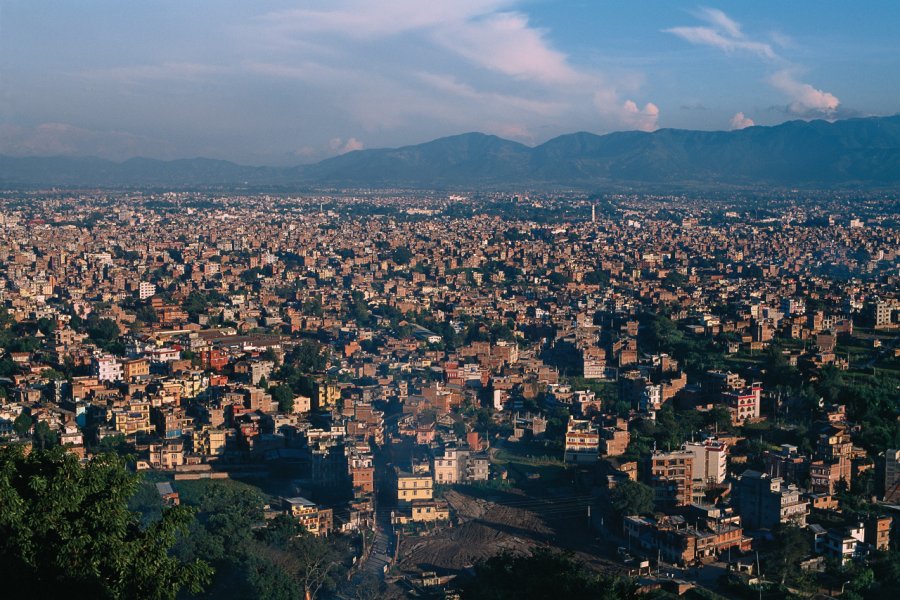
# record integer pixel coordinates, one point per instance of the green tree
(103, 332)
(401, 255)
(544, 574)
(65, 528)
(43, 436)
(313, 307)
(631, 498)
(318, 563)
(359, 309)
(791, 544)
(22, 424)
(307, 357)
(284, 396)
(195, 304)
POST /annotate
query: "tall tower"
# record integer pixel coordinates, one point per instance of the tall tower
(593, 213)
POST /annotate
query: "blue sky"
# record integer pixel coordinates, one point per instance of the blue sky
(278, 82)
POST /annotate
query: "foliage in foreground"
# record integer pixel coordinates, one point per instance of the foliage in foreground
(66, 530)
(543, 574)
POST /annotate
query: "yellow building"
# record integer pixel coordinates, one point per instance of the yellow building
(209, 442)
(412, 487)
(427, 511)
(326, 394)
(316, 520)
(137, 367)
(132, 420)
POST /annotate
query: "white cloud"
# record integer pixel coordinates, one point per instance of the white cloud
(449, 84)
(339, 146)
(169, 71)
(392, 72)
(721, 21)
(710, 37)
(517, 69)
(504, 42)
(726, 34)
(723, 33)
(644, 119)
(367, 19)
(805, 99)
(740, 121)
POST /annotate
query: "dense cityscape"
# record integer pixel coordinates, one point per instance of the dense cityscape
(386, 394)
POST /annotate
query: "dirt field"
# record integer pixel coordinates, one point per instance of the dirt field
(483, 529)
(545, 506)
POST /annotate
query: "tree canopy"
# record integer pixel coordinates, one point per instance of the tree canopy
(631, 498)
(65, 528)
(543, 574)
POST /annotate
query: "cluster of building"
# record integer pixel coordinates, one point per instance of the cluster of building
(246, 330)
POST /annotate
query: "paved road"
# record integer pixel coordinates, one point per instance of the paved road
(383, 546)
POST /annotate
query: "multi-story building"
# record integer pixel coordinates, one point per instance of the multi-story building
(315, 519)
(167, 455)
(170, 421)
(582, 442)
(878, 532)
(614, 441)
(743, 403)
(427, 511)
(209, 442)
(457, 465)
(137, 367)
(710, 460)
(836, 449)
(883, 314)
(671, 477)
(651, 399)
(107, 368)
(414, 486)
(892, 476)
(824, 476)
(764, 502)
(145, 290)
(362, 471)
(133, 419)
(786, 463)
(326, 394)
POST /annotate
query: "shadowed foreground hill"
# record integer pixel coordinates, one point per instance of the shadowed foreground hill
(813, 154)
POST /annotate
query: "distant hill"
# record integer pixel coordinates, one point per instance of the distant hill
(812, 154)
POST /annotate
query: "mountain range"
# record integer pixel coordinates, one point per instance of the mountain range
(851, 153)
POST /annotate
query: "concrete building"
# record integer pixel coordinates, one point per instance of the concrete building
(145, 290)
(743, 403)
(107, 368)
(764, 502)
(892, 476)
(710, 460)
(614, 441)
(315, 519)
(414, 486)
(582, 442)
(671, 477)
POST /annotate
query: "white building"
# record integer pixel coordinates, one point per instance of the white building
(582, 442)
(107, 368)
(651, 400)
(145, 290)
(710, 460)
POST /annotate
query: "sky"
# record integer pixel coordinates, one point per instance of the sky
(281, 82)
